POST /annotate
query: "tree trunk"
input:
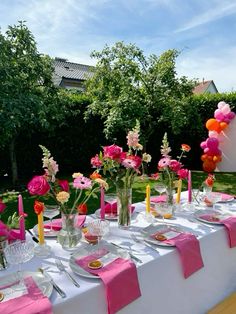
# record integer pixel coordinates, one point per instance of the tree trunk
(14, 170)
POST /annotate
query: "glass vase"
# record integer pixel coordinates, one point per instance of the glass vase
(124, 202)
(3, 261)
(69, 235)
(170, 199)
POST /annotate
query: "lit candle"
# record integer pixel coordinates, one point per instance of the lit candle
(148, 198)
(22, 217)
(102, 204)
(179, 191)
(189, 187)
(40, 228)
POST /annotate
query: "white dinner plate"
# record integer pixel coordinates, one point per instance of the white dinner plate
(42, 281)
(217, 213)
(47, 234)
(89, 249)
(151, 229)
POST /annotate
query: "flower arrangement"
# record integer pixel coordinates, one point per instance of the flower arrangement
(121, 167)
(171, 170)
(48, 186)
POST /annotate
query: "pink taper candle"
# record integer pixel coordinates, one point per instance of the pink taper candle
(189, 187)
(102, 204)
(22, 217)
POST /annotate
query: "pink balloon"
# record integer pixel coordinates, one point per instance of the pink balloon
(212, 142)
(219, 115)
(203, 145)
(213, 134)
(225, 109)
(230, 115)
(221, 104)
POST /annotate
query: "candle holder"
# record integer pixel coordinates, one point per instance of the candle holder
(42, 250)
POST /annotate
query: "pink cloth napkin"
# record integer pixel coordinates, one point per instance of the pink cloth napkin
(119, 277)
(56, 223)
(224, 196)
(189, 250)
(34, 302)
(230, 227)
(158, 199)
(112, 208)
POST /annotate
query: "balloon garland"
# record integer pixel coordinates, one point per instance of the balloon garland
(212, 154)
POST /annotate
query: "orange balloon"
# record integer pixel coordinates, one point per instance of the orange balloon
(204, 157)
(209, 166)
(209, 158)
(217, 158)
(213, 125)
(223, 125)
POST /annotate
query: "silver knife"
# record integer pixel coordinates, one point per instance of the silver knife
(55, 286)
(61, 267)
(131, 254)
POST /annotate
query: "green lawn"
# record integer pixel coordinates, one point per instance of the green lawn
(225, 182)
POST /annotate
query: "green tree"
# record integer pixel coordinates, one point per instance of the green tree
(25, 85)
(127, 86)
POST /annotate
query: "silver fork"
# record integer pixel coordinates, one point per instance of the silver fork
(134, 237)
(61, 267)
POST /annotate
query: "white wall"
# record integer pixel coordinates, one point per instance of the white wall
(228, 147)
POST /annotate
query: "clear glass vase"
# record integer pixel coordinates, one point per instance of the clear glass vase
(69, 235)
(124, 203)
(3, 261)
(170, 199)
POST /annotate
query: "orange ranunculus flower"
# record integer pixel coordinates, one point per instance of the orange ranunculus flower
(95, 175)
(185, 147)
(82, 209)
(38, 207)
(210, 180)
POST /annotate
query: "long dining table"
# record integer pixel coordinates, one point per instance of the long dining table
(163, 287)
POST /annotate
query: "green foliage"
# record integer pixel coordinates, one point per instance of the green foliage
(25, 79)
(127, 86)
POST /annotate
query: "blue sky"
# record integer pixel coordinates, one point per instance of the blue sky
(204, 31)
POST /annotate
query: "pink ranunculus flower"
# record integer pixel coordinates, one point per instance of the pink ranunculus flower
(82, 183)
(175, 165)
(164, 162)
(112, 151)
(2, 206)
(183, 173)
(38, 186)
(96, 162)
(64, 184)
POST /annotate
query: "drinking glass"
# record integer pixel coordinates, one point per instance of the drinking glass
(98, 228)
(213, 198)
(164, 209)
(111, 199)
(160, 188)
(18, 253)
(51, 211)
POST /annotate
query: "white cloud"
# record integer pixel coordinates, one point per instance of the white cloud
(221, 10)
(218, 67)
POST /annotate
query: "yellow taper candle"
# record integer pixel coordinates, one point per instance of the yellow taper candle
(40, 228)
(179, 191)
(148, 198)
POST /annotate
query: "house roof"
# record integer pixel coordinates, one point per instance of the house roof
(202, 87)
(70, 70)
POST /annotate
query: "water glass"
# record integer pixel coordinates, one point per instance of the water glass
(18, 253)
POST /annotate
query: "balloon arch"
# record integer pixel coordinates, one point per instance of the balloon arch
(212, 154)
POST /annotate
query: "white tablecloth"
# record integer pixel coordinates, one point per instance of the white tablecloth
(164, 289)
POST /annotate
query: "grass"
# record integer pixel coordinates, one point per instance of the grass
(225, 182)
